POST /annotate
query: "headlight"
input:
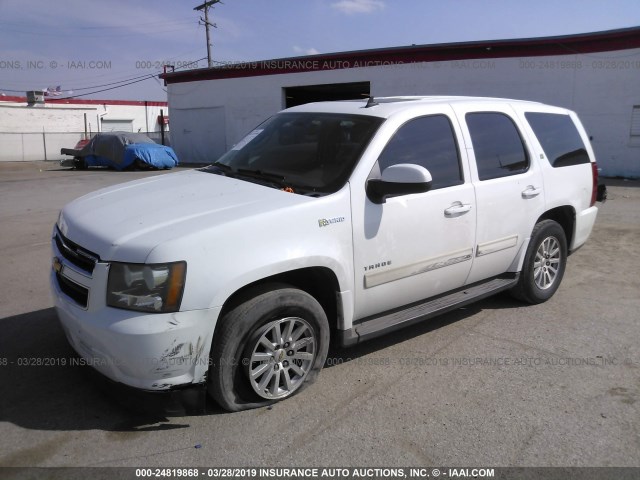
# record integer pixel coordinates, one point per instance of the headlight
(62, 225)
(147, 288)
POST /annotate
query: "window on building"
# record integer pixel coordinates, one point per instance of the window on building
(559, 138)
(635, 121)
(429, 142)
(497, 144)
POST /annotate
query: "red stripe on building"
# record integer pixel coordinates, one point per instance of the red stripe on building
(622, 39)
(73, 101)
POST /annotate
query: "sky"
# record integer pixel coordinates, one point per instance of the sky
(114, 49)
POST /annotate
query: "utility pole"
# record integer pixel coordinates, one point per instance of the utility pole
(205, 21)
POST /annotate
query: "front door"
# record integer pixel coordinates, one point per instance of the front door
(416, 246)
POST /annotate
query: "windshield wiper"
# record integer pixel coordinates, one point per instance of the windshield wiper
(217, 166)
(261, 174)
(269, 178)
(280, 179)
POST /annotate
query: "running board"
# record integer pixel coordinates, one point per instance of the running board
(387, 322)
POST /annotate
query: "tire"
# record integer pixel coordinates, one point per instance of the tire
(544, 263)
(80, 163)
(267, 348)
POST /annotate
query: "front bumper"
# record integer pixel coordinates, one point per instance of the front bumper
(150, 352)
(185, 400)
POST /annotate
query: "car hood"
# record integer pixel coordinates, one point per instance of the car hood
(126, 222)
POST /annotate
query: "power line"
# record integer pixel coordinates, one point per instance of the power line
(159, 83)
(107, 89)
(146, 77)
(117, 78)
(140, 78)
(120, 84)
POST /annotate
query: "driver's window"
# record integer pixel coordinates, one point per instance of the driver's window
(429, 142)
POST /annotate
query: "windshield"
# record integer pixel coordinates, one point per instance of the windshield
(301, 152)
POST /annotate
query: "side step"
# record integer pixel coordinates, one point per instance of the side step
(400, 318)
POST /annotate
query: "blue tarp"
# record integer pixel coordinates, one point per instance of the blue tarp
(158, 156)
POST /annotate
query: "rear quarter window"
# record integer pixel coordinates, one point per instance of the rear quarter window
(559, 138)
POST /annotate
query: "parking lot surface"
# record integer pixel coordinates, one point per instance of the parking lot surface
(497, 383)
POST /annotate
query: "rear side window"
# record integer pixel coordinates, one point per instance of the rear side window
(429, 142)
(559, 138)
(497, 144)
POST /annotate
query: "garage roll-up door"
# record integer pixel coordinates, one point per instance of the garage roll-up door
(117, 125)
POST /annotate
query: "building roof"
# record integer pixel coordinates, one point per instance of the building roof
(74, 101)
(621, 39)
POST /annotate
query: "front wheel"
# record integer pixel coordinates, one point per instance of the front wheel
(267, 348)
(544, 263)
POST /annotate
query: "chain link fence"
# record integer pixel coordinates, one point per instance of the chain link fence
(23, 147)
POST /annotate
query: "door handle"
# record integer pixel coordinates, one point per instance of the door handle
(457, 209)
(531, 192)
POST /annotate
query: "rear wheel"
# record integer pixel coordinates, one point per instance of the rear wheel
(268, 348)
(544, 263)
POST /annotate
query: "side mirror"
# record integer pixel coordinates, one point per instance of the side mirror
(400, 179)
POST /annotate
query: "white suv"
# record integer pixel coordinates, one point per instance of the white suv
(336, 220)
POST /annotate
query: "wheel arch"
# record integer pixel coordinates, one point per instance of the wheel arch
(319, 282)
(565, 216)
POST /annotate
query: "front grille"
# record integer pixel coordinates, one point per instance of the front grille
(80, 257)
(71, 289)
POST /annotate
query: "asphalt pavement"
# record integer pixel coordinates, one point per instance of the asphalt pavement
(498, 383)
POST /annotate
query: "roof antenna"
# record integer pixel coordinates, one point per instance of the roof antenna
(371, 102)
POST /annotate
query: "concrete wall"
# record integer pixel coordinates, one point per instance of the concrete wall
(602, 88)
(38, 132)
(18, 118)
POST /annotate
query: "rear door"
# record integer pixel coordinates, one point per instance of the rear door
(508, 186)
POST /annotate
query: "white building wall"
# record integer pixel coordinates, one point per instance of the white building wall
(18, 118)
(602, 88)
(39, 132)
